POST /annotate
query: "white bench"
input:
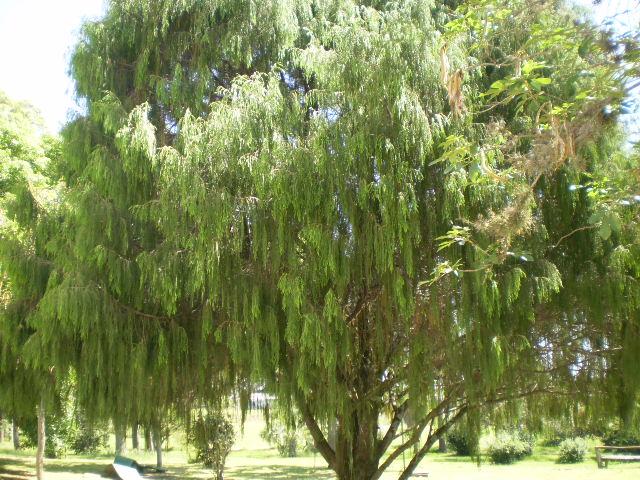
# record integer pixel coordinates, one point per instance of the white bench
(618, 455)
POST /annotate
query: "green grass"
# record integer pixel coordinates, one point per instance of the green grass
(253, 459)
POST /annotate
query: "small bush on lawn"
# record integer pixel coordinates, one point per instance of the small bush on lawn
(59, 429)
(620, 438)
(461, 443)
(507, 449)
(572, 450)
(89, 437)
(528, 438)
(555, 437)
(285, 440)
(212, 436)
(290, 442)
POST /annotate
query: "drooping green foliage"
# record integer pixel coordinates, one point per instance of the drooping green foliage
(369, 208)
(28, 201)
(327, 220)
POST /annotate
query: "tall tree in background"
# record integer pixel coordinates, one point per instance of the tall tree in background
(130, 352)
(28, 221)
(371, 208)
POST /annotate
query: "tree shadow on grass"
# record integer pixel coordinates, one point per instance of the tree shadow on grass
(14, 469)
(279, 472)
(78, 468)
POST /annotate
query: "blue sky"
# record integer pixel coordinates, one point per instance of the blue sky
(36, 37)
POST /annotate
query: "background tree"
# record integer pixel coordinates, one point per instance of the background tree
(123, 338)
(28, 202)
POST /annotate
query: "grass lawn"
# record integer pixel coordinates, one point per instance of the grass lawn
(253, 459)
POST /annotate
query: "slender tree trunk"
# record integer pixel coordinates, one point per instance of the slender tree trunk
(331, 434)
(442, 445)
(442, 441)
(121, 440)
(42, 438)
(627, 396)
(15, 435)
(148, 443)
(135, 440)
(157, 442)
(1, 429)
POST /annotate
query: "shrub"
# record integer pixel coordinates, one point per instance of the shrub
(554, 438)
(462, 443)
(572, 450)
(288, 441)
(508, 448)
(287, 444)
(527, 438)
(212, 436)
(59, 429)
(89, 438)
(620, 438)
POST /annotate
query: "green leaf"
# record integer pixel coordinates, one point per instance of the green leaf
(530, 66)
(604, 231)
(541, 81)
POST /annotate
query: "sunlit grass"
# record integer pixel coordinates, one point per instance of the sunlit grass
(252, 459)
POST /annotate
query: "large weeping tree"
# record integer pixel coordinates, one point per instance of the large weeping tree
(374, 223)
(380, 211)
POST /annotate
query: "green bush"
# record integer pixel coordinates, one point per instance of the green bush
(288, 441)
(462, 443)
(509, 448)
(572, 450)
(528, 438)
(59, 429)
(555, 438)
(212, 436)
(89, 438)
(620, 438)
(554, 435)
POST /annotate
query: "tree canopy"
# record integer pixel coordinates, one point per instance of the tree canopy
(28, 202)
(416, 209)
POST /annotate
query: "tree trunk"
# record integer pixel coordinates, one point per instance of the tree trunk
(356, 458)
(42, 438)
(442, 440)
(1, 429)
(157, 442)
(148, 443)
(135, 440)
(15, 435)
(442, 445)
(356, 454)
(121, 440)
(331, 434)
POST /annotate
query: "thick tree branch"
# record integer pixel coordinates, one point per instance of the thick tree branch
(398, 416)
(415, 436)
(431, 439)
(319, 439)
